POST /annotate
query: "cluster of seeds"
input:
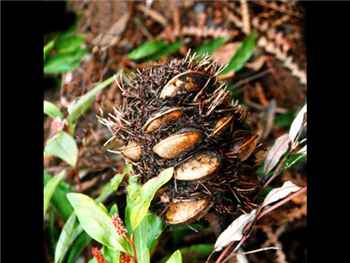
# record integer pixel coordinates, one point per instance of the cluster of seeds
(179, 115)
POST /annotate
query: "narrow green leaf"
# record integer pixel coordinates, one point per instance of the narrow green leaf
(139, 207)
(50, 188)
(113, 184)
(113, 210)
(242, 55)
(147, 49)
(85, 101)
(52, 110)
(63, 146)
(209, 46)
(65, 62)
(166, 50)
(67, 236)
(284, 120)
(59, 199)
(146, 236)
(69, 43)
(48, 47)
(294, 159)
(96, 223)
(176, 257)
(82, 241)
(197, 251)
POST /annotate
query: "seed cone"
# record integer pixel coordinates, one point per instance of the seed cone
(179, 115)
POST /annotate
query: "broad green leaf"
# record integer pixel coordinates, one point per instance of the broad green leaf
(82, 241)
(166, 50)
(138, 207)
(67, 236)
(52, 110)
(147, 49)
(110, 187)
(176, 257)
(96, 223)
(209, 46)
(59, 199)
(68, 43)
(146, 236)
(48, 47)
(62, 63)
(85, 101)
(50, 188)
(242, 55)
(63, 146)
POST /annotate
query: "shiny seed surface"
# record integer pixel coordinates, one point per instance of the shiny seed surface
(198, 167)
(174, 145)
(161, 119)
(184, 211)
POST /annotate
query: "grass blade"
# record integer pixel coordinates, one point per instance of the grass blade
(208, 47)
(50, 188)
(85, 101)
(244, 52)
(147, 49)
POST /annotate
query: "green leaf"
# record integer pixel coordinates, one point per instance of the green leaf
(110, 187)
(97, 223)
(113, 184)
(146, 236)
(209, 46)
(294, 159)
(63, 146)
(68, 43)
(139, 202)
(242, 55)
(147, 49)
(48, 47)
(110, 255)
(62, 63)
(52, 110)
(67, 236)
(166, 50)
(82, 241)
(59, 199)
(175, 257)
(50, 188)
(284, 120)
(113, 210)
(85, 101)
(197, 251)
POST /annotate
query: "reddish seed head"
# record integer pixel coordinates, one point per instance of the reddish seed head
(125, 258)
(118, 224)
(98, 255)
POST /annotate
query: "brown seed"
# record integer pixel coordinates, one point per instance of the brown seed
(132, 151)
(198, 167)
(186, 211)
(189, 81)
(162, 118)
(174, 145)
(246, 146)
(220, 125)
